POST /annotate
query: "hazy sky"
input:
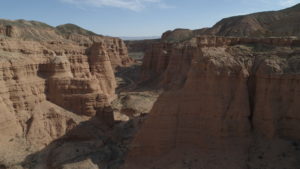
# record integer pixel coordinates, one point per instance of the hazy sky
(134, 17)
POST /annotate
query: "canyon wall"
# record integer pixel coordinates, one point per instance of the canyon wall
(139, 45)
(51, 83)
(221, 93)
(167, 63)
(38, 31)
(35, 73)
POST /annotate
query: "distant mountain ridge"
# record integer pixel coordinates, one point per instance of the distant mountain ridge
(71, 28)
(280, 23)
(139, 38)
(34, 30)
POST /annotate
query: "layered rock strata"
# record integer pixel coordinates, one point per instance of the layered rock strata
(49, 87)
(38, 31)
(222, 92)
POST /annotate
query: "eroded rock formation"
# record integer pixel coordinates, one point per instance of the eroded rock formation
(50, 81)
(224, 93)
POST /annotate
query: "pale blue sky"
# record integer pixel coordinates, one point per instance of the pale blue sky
(134, 17)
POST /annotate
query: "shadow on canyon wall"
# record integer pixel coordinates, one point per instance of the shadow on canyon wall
(95, 143)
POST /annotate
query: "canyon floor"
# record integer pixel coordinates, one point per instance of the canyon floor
(133, 99)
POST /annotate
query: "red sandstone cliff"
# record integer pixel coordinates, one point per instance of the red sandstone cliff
(224, 93)
(35, 74)
(38, 31)
(50, 81)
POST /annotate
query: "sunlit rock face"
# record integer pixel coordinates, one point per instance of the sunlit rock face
(50, 81)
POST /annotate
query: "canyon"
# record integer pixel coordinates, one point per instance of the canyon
(221, 97)
(52, 83)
